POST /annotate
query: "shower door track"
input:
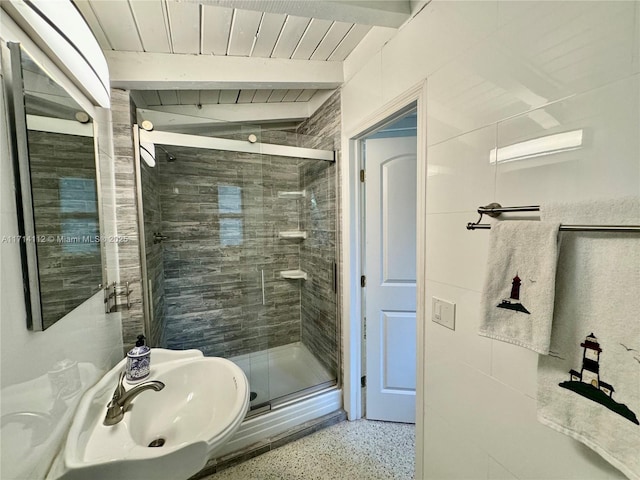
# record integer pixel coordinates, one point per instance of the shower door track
(216, 143)
(292, 398)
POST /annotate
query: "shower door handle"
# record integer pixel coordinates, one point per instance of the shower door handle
(262, 278)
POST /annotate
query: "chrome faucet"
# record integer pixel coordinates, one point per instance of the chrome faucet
(121, 400)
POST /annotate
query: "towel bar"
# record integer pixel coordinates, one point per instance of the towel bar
(495, 210)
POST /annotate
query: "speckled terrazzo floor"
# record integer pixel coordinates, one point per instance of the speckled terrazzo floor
(362, 450)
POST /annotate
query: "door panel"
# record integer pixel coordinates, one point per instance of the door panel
(399, 369)
(398, 220)
(390, 259)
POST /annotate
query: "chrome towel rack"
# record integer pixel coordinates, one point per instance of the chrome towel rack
(494, 210)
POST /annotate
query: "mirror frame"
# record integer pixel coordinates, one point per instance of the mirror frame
(14, 83)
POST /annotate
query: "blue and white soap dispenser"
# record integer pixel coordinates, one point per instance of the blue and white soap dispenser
(138, 361)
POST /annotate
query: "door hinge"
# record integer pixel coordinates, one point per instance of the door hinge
(363, 381)
(363, 281)
(362, 175)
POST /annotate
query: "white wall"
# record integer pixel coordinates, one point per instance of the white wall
(86, 335)
(500, 73)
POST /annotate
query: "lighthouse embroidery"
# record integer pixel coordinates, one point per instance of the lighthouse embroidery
(513, 302)
(587, 381)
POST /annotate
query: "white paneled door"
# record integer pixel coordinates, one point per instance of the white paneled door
(390, 266)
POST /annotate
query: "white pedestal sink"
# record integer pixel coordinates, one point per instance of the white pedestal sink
(203, 403)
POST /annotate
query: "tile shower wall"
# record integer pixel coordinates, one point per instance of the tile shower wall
(129, 269)
(317, 255)
(499, 73)
(318, 252)
(222, 215)
(150, 178)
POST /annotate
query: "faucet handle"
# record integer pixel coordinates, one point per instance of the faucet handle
(119, 391)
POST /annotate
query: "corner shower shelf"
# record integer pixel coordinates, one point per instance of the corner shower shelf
(293, 274)
(294, 234)
(295, 195)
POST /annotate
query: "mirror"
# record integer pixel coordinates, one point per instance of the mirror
(57, 195)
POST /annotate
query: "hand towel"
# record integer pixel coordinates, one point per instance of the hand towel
(517, 300)
(589, 385)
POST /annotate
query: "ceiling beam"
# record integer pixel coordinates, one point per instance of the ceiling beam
(389, 13)
(201, 126)
(197, 125)
(241, 112)
(164, 71)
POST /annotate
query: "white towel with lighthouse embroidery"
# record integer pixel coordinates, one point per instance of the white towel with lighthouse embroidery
(589, 384)
(517, 300)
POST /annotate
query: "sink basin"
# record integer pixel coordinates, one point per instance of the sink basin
(167, 434)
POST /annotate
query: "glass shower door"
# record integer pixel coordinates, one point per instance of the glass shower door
(207, 206)
(247, 248)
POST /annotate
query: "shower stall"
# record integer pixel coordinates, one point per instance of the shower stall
(240, 253)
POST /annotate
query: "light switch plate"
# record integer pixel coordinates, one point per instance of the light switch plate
(444, 312)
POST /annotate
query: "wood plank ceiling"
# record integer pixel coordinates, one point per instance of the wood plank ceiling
(167, 26)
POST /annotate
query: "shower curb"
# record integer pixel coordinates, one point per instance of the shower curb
(234, 458)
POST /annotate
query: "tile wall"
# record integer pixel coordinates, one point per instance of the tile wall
(126, 219)
(222, 215)
(150, 178)
(320, 325)
(499, 73)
